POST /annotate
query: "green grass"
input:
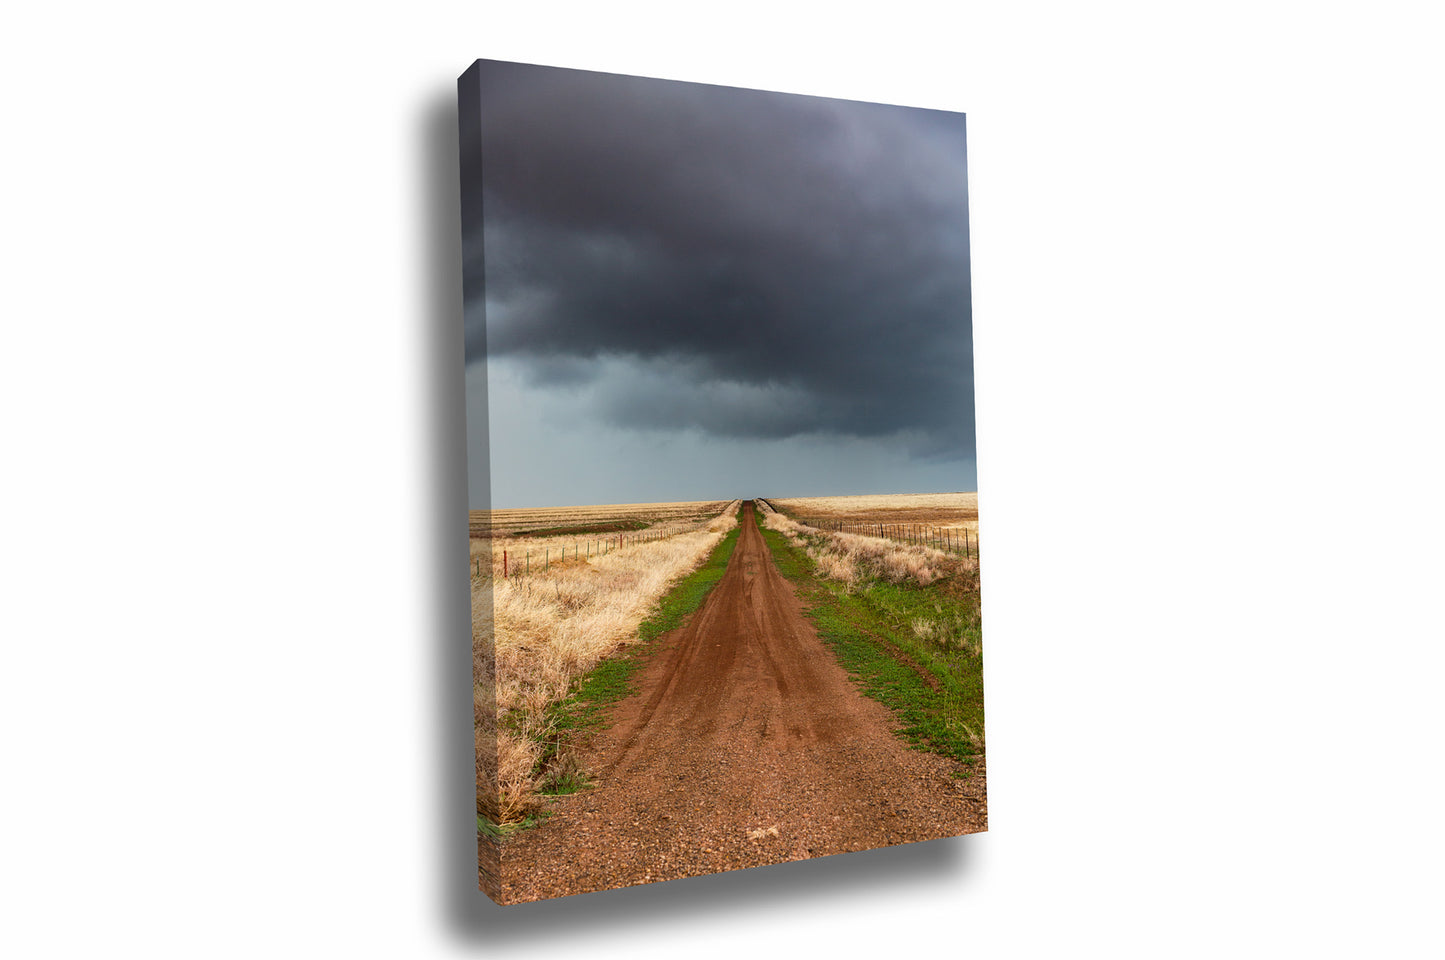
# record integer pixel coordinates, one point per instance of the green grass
(492, 831)
(933, 684)
(566, 778)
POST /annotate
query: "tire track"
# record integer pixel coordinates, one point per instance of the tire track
(746, 744)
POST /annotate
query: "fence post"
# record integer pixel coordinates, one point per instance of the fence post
(504, 564)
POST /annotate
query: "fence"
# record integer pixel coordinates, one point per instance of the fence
(917, 534)
(519, 564)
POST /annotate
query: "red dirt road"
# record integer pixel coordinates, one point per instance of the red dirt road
(746, 745)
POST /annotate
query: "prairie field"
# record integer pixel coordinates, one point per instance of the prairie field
(916, 517)
(577, 521)
(543, 626)
(520, 542)
(954, 510)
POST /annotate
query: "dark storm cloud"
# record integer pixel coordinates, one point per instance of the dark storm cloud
(798, 265)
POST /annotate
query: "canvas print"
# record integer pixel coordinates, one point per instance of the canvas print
(724, 535)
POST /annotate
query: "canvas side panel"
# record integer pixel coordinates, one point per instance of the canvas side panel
(484, 719)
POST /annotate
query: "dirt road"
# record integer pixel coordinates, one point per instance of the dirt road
(746, 744)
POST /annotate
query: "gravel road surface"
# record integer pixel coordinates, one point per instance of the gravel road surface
(746, 745)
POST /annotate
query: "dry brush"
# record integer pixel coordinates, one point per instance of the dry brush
(853, 558)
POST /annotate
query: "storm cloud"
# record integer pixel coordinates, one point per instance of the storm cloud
(733, 262)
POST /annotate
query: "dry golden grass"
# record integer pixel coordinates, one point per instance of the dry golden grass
(534, 635)
(521, 552)
(851, 558)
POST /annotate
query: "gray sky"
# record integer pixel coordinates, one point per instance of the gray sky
(679, 291)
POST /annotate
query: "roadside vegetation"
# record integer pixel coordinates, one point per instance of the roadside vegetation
(538, 640)
(903, 619)
(516, 543)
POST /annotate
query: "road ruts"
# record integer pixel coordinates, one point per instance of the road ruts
(746, 744)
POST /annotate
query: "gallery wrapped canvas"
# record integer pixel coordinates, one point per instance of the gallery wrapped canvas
(724, 540)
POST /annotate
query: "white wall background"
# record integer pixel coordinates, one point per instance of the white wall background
(1208, 323)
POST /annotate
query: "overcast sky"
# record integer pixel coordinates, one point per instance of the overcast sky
(679, 291)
